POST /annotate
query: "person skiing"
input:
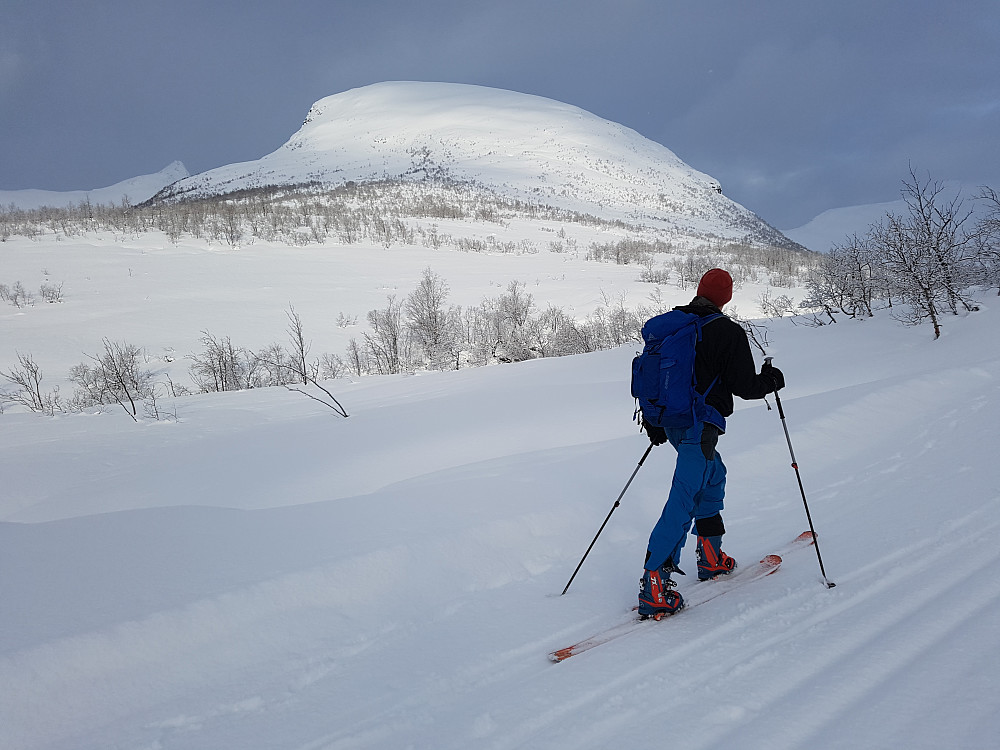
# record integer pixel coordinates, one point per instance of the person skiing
(723, 368)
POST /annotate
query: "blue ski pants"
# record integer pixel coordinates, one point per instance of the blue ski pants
(696, 492)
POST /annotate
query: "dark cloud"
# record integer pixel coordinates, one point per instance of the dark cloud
(796, 106)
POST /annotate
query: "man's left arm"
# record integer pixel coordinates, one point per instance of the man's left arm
(741, 377)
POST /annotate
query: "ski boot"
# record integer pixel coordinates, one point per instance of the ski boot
(712, 561)
(657, 597)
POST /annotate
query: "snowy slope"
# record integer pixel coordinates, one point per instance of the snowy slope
(528, 147)
(836, 225)
(263, 574)
(135, 190)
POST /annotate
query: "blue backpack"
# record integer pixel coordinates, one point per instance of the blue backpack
(663, 381)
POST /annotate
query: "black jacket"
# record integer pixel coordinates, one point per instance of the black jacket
(724, 352)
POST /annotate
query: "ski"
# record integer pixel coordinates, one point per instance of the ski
(697, 595)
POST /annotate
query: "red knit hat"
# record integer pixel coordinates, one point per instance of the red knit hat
(716, 286)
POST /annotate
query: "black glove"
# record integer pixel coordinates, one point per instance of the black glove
(769, 371)
(657, 435)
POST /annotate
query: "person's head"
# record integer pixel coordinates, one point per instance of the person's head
(716, 286)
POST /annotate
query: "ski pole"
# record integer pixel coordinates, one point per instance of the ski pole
(795, 465)
(617, 503)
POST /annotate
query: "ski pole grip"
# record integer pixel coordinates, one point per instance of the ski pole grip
(777, 398)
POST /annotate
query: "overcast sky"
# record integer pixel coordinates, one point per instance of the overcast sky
(795, 106)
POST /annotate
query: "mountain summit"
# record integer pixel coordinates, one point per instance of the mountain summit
(517, 145)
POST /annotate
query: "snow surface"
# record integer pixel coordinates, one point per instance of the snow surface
(135, 190)
(262, 574)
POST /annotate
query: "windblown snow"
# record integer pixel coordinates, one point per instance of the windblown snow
(260, 573)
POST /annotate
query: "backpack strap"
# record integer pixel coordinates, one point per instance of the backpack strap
(703, 397)
(699, 324)
(702, 322)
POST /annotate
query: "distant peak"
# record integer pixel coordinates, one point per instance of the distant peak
(175, 169)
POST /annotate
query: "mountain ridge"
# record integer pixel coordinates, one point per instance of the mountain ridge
(135, 189)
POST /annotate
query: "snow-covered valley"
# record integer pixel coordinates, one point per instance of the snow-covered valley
(261, 573)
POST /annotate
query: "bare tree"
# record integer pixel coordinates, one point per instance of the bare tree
(357, 358)
(988, 238)
(298, 354)
(308, 372)
(938, 225)
(849, 279)
(927, 252)
(331, 366)
(388, 343)
(431, 324)
(16, 295)
(51, 292)
(117, 376)
(270, 366)
(622, 324)
(28, 379)
(220, 367)
(229, 225)
(508, 320)
(913, 272)
(775, 307)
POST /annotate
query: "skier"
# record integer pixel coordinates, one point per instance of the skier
(723, 367)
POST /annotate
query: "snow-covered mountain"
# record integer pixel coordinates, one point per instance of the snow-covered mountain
(135, 190)
(527, 147)
(834, 226)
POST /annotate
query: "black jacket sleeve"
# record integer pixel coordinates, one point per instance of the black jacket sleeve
(739, 374)
(723, 356)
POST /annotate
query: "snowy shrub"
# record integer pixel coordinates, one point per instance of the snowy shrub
(627, 251)
(16, 295)
(775, 307)
(27, 377)
(346, 321)
(116, 376)
(51, 292)
(652, 275)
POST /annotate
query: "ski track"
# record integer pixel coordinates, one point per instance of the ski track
(825, 697)
(821, 693)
